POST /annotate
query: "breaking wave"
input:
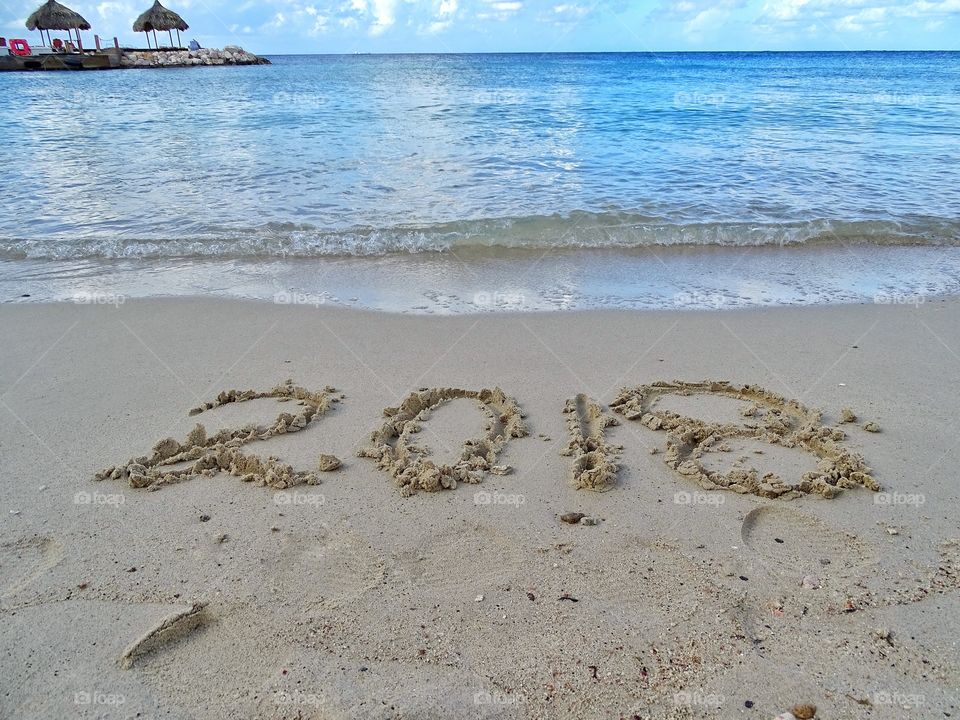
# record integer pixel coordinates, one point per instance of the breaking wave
(572, 231)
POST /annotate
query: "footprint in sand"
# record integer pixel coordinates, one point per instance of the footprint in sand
(341, 564)
(768, 418)
(493, 558)
(594, 461)
(392, 446)
(171, 461)
(791, 544)
(25, 561)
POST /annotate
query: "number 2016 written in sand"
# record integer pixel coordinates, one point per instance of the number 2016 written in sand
(765, 418)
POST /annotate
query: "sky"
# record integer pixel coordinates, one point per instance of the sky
(347, 26)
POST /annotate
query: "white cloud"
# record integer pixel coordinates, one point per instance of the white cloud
(276, 22)
(852, 16)
(571, 10)
(698, 16)
(110, 10)
(319, 25)
(499, 9)
(384, 16)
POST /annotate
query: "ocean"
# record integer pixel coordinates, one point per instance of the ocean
(467, 183)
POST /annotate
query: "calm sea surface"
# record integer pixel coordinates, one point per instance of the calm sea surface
(267, 177)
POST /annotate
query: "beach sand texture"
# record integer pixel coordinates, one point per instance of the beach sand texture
(375, 531)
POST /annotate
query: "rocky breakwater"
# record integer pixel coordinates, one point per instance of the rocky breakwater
(230, 55)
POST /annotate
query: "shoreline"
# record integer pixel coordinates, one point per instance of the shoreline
(516, 280)
(680, 603)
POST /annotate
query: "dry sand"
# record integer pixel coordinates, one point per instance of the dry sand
(436, 579)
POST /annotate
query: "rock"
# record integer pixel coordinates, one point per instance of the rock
(571, 518)
(589, 521)
(847, 415)
(810, 582)
(328, 463)
(871, 426)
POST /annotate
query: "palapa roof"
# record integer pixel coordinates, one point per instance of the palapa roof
(54, 16)
(159, 18)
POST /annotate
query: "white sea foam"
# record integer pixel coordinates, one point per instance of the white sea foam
(576, 230)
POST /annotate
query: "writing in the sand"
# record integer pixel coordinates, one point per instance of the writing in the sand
(764, 417)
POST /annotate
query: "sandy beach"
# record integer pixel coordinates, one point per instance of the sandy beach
(365, 595)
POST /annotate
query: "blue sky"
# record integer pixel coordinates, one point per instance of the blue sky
(310, 26)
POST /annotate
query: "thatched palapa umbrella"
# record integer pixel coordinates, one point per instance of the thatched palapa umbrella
(159, 18)
(54, 16)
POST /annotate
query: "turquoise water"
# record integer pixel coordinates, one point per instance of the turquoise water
(487, 156)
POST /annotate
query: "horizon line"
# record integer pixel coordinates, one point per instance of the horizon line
(604, 52)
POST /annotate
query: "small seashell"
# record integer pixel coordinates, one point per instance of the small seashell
(572, 518)
(810, 582)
